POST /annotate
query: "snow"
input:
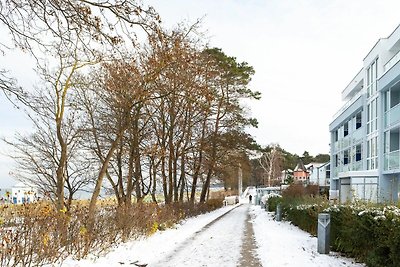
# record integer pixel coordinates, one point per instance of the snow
(215, 240)
(160, 246)
(283, 244)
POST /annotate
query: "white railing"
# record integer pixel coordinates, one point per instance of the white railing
(348, 104)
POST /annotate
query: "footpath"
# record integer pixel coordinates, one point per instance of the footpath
(242, 235)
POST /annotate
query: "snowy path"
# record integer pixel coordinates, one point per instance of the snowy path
(222, 238)
(218, 244)
(282, 244)
(248, 254)
(160, 245)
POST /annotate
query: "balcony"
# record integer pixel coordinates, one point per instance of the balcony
(336, 146)
(345, 142)
(391, 62)
(346, 168)
(357, 166)
(348, 104)
(358, 135)
(392, 116)
(392, 160)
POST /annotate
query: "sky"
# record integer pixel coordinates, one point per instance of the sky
(304, 52)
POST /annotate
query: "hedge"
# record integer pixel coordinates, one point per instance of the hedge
(369, 233)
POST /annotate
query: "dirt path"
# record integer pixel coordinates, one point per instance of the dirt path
(248, 252)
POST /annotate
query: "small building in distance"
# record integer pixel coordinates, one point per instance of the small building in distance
(286, 175)
(320, 174)
(300, 174)
(23, 193)
(5, 195)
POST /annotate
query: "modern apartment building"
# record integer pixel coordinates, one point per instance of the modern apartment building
(365, 132)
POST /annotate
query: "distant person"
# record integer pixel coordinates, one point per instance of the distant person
(250, 198)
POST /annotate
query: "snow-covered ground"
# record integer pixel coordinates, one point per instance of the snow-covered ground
(157, 249)
(212, 240)
(282, 244)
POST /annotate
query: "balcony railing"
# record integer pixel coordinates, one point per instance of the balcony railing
(357, 166)
(391, 62)
(392, 160)
(358, 135)
(336, 146)
(345, 142)
(346, 168)
(392, 116)
(348, 104)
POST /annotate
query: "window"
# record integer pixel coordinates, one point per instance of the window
(335, 135)
(372, 153)
(346, 129)
(372, 74)
(358, 121)
(358, 153)
(394, 98)
(372, 116)
(346, 159)
(328, 171)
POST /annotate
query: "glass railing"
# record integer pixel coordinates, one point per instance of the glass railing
(393, 115)
(392, 160)
(392, 62)
(335, 172)
(386, 119)
(348, 104)
(358, 135)
(346, 168)
(336, 146)
(345, 142)
(357, 166)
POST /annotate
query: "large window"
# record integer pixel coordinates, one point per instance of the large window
(372, 153)
(358, 120)
(346, 158)
(372, 116)
(372, 74)
(358, 153)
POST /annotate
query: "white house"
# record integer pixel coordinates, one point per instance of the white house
(23, 193)
(319, 174)
(286, 174)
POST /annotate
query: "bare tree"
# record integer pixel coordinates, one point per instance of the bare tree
(271, 163)
(78, 34)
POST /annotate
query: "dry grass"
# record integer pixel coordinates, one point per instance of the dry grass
(36, 234)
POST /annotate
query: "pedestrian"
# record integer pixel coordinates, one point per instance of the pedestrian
(250, 198)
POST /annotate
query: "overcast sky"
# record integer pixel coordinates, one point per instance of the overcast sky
(304, 53)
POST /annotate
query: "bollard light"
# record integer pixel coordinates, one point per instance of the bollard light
(278, 216)
(324, 229)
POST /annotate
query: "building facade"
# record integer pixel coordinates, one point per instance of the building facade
(320, 174)
(365, 132)
(301, 174)
(22, 193)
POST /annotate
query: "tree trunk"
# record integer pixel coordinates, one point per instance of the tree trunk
(99, 181)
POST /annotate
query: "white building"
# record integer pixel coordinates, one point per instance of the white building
(365, 132)
(23, 193)
(319, 173)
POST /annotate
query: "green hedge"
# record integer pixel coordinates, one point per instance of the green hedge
(371, 234)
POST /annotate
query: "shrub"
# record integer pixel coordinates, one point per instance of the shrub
(36, 234)
(370, 233)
